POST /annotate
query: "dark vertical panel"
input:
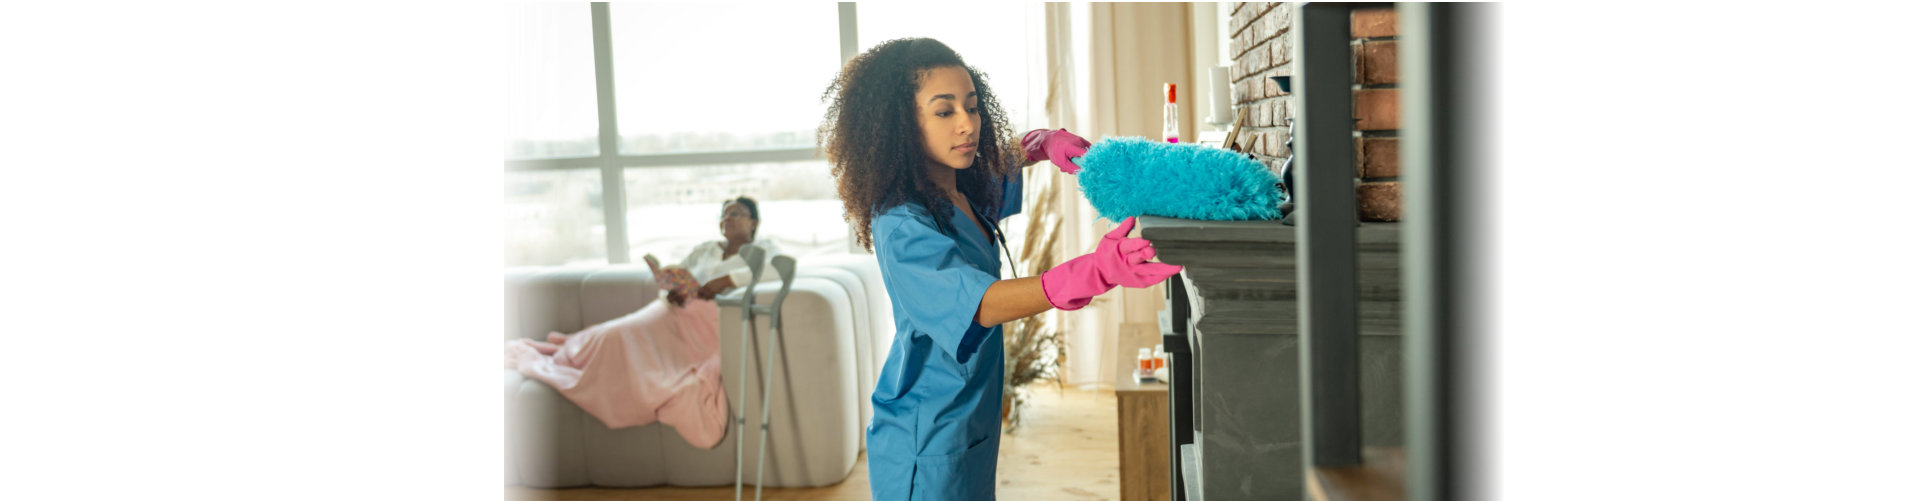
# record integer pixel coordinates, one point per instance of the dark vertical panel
(1329, 297)
(1447, 176)
(1180, 381)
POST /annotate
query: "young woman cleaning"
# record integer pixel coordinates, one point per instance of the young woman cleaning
(927, 169)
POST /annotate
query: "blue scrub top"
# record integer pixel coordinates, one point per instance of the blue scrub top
(936, 407)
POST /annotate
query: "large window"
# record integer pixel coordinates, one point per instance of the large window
(550, 103)
(552, 216)
(555, 217)
(701, 103)
(673, 209)
(688, 83)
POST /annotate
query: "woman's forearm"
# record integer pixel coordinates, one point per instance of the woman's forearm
(716, 286)
(1009, 300)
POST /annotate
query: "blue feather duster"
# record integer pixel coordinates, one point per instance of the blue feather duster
(1129, 176)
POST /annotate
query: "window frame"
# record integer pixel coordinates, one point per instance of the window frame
(612, 165)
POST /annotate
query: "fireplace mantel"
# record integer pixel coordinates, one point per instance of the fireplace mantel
(1243, 325)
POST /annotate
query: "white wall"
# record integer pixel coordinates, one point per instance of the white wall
(1209, 43)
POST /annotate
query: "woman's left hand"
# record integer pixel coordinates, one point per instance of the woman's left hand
(1057, 146)
(715, 287)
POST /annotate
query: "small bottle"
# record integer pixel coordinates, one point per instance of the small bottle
(1159, 356)
(1172, 128)
(1145, 371)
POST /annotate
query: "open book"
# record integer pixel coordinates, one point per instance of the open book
(673, 278)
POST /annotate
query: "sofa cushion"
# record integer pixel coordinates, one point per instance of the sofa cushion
(555, 456)
(544, 300)
(860, 274)
(614, 291)
(879, 307)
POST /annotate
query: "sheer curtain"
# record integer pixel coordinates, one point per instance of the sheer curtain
(1091, 331)
(1106, 63)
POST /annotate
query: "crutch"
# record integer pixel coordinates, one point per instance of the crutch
(756, 260)
(784, 265)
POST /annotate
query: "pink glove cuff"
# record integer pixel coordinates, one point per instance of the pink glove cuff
(1117, 261)
(1031, 144)
(1056, 295)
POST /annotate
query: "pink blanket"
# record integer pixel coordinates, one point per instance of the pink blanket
(661, 363)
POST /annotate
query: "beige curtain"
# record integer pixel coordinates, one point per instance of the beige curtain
(1106, 64)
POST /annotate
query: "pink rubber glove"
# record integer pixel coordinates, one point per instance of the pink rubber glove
(1118, 261)
(1057, 146)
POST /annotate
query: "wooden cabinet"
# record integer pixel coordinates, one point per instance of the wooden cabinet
(1143, 440)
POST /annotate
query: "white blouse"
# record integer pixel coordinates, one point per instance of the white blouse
(705, 263)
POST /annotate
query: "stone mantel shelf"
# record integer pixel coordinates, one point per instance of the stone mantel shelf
(1238, 269)
(1158, 229)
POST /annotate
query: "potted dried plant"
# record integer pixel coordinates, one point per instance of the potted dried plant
(1036, 348)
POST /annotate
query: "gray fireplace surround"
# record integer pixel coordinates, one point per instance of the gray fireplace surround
(1241, 331)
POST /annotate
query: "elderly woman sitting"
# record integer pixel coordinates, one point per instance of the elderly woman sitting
(661, 363)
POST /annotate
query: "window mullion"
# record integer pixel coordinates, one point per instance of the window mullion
(849, 47)
(613, 186)
(849, 32)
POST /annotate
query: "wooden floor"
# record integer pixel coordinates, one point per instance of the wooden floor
(1381, 476)
(1066, 450)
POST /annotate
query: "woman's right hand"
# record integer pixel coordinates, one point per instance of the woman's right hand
(677, 298)
(1057, 146)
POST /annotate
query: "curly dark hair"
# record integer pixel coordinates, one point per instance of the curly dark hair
(873, 139)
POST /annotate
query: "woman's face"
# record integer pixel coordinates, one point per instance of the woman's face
(736, 222)
(949, 114)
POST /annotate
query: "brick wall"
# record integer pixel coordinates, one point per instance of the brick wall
(1376, 104)
(1261, 48)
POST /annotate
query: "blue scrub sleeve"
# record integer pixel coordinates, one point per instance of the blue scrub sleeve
(932, 284)
(1010, 195)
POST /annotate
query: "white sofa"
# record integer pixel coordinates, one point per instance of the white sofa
(838, 325)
